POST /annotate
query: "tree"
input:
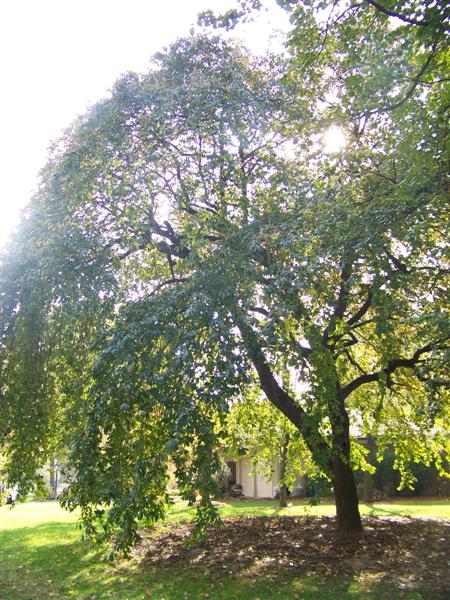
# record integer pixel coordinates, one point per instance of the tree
(191, 238)
(258, 429)
(379, 71)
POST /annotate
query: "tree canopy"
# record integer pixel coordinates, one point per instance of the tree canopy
(191, 239)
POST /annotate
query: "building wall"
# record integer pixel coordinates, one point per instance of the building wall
(254, 485)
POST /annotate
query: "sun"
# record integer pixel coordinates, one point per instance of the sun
(334, 140)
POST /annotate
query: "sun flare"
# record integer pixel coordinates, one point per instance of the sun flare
(334, 140)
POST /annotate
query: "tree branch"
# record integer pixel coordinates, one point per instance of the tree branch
(340, 304)
(279, 397)
(167, 282)
(392, 366)
(354, 362)
(398, 264)
(362, 310)
(415, 83)
(397, 15)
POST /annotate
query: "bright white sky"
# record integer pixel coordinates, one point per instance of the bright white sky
(60, 56)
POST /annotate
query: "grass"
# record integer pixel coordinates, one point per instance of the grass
(42, 556)
(265, 508)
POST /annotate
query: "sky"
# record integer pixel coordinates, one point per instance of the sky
(58, 57)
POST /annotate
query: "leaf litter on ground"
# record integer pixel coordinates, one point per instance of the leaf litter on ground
(410, 553)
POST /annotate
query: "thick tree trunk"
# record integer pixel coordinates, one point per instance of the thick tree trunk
(348, 518)
(335, 461)
(282, 502)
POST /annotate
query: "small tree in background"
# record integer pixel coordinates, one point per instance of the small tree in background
(257, 429)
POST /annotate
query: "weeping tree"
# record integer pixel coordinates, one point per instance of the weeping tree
(191, 239)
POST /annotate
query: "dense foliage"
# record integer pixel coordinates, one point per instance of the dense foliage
(191, 238)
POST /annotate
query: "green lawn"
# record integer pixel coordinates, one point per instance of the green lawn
(42, 556)
(435, 509)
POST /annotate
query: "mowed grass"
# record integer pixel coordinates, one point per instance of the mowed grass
(43, 556)
(269, 508)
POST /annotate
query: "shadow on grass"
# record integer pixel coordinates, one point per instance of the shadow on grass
(374, 510)
(51, 561)
(377, 511)
(231, 509)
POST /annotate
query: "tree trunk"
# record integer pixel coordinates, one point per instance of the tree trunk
(283, 464)
(368, 485)
(282, 503)
(348, 518)
(335, 462)
(52, 477)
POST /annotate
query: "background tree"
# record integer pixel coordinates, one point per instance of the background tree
(256, 429)
(191, 237)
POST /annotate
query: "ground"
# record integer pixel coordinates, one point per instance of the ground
(408, 553)
(261, 553)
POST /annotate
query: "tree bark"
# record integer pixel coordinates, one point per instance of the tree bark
(52, 477)
(282, 502)
(348, 519)
(367, 487)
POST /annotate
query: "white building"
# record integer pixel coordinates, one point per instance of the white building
(255, 485)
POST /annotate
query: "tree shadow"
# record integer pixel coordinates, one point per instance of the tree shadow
(52, 561)
(377, 511)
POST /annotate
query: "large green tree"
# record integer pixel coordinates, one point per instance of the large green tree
(191, 238)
